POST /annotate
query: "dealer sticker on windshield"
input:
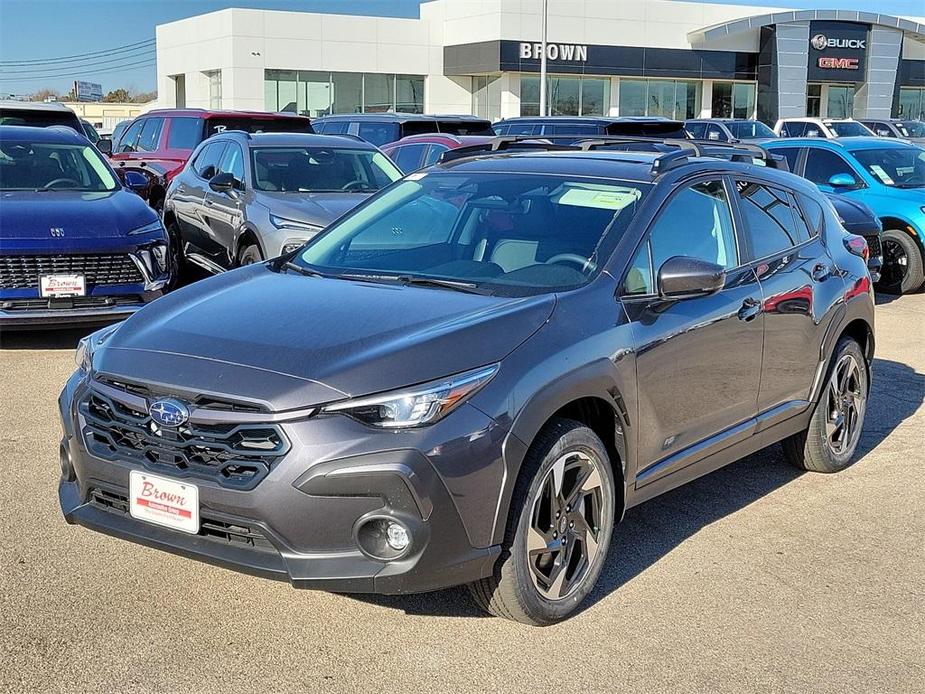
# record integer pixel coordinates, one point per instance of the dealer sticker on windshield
(52, 286)
(162, 501)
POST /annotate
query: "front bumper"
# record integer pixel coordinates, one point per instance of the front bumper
(299, 523)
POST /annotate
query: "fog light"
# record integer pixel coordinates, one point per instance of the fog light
(397, 536)
(67, 469)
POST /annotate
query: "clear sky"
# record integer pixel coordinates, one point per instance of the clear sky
(37, 30)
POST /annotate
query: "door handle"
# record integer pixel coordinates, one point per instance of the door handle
(821, 271)
(749, 310)
(209, 202)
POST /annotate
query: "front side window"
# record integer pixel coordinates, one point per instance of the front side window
(321, 169)
(127, 143)
(409, 157)
(233, 163)
(697, 223)
(850, 129)
(433, 154)
(715, 133)
(749, 129)
(206, 164)
(770, 225)
(911, 128)
(696, 130)
(50, 166)
(897, 167)
(150, 135)
(508, 234)
(795, 129)
(821, 165)
(378, 133)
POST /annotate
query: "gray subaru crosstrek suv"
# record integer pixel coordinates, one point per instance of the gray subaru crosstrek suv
(470, 377)
(245, 197)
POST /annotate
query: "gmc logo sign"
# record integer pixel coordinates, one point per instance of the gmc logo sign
(838, 63)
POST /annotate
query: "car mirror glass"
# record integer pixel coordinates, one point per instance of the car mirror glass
(683, 277)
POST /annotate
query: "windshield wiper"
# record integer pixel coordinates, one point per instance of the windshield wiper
(302, 270)
(468, 287)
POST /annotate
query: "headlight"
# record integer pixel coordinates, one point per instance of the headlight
(159, 251)
(89, 344)
(283, 223)
(148, 229)
(293, 245)
(923, 209)
(418, 405)
(155, 258)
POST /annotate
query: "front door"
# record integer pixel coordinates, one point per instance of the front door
(224, 210)
(698, 361)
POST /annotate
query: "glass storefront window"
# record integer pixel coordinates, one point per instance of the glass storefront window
(566, 96)
(486, 96)
(678, 99)
(409, 93)
(840, 103)
(911, 103)
(733, 100)
(813, 100)
(215, 88)
(322, 93)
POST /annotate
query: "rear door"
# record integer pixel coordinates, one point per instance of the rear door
(698, 360)
(798, 283)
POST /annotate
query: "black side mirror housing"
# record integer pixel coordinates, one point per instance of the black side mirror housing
(683, 277)
(104, 146)
(223, 182)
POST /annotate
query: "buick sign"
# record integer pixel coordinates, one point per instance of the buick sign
(821, 42)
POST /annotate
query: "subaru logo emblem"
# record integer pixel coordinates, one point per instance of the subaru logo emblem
(169, 412)
(56, 231)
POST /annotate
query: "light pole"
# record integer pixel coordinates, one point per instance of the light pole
(543, 62)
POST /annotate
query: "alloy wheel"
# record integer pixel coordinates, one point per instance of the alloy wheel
(846, 405)
(565, 525)
(895, 264)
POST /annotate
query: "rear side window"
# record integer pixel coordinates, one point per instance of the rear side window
(771, 225)
(793, 129)
(522, 129)
(337, 127)
(791, 154)
(576, 129)
(433, 154)
(127, 143)
(409, 157)
(501, 128)
(185, 133)
(812, 213)
(821, 165)
(258, 125)
(206, 165)
(378, 133)
(696, 130)
(150, 135)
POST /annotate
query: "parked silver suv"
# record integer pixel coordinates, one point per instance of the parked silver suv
(244, 197)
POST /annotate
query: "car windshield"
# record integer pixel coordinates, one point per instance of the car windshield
(52, 166)
(899, 167)
(513, 234)
(911, 128)
(745, 129)
(321, 169)
(849, 129)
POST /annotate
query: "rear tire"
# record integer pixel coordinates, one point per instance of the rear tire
(249, 255)
(176, 256)
(902, 270)
(830, 441)
(559, 529)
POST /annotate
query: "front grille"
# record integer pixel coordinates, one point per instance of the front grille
(233, 533)
(68, 304)
(873, 243)
(205, 401)
(234, 455)
(23, 271)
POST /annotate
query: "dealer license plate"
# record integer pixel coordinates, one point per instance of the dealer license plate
(62, 285)
(163, 501)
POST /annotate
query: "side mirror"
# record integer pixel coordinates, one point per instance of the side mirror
(682, 277)
(104, 146)
(136, 182)
(842, 180)
(222, 183)
(713, 135)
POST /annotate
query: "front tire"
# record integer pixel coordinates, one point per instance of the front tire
(831, 439)
(558, 534)
(249, 255)
(902, 270)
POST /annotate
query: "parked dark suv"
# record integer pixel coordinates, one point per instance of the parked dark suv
(470, 377)
(244, 198)
(158, 143)
(381, 128)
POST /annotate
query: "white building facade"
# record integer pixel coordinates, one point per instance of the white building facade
(605, 57)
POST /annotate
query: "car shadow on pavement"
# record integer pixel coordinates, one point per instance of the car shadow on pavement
(65, 338)
(653, 529)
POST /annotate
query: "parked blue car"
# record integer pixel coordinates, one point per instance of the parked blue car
(888, 176)
(76, 245)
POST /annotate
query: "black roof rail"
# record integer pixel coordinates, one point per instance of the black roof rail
(679, 152)
(234, 131)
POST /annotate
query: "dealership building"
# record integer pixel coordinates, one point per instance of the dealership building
(604, 57)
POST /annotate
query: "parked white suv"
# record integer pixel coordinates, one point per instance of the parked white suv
(821, 127)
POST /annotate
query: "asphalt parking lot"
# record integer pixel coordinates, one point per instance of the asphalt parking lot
(755, 578)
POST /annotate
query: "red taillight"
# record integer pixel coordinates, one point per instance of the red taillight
(857, 245)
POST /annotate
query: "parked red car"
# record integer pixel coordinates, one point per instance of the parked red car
(158, 143)
(417, 151)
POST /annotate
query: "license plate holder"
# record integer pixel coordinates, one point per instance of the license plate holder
(62, 286)
(169, 503)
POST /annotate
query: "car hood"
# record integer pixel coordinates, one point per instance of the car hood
(319, 209)
(30, 215)
(288, 341)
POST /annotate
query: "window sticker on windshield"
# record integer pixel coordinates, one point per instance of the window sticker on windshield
(601, 197)
(881, 174)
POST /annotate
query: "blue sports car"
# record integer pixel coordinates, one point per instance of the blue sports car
(77, 246)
